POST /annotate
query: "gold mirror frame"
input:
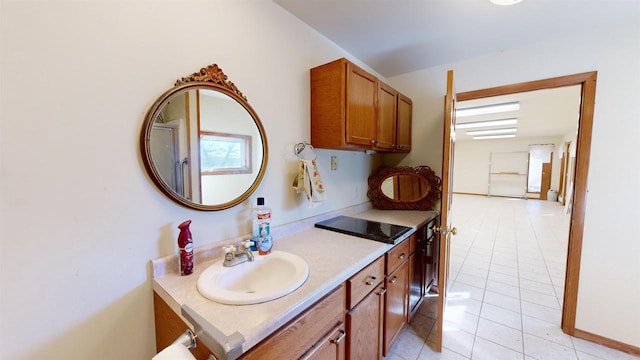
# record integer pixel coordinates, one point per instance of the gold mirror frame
(209, 78)
(425, 202)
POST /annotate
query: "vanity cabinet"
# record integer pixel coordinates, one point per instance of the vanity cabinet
(359, 319)
(396, 297)
(331, 347)
(353, 110)
(365, 318)
(317, 333)
(314, 334)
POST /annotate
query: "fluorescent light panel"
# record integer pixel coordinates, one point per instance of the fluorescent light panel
(486, 137)
(488, 109)
(479, 124)
(505, 2)
(492, 132)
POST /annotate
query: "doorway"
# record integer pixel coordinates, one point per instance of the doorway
(587, 82)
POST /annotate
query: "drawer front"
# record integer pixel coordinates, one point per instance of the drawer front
(296, 338)
(360, 284)
(397, 255)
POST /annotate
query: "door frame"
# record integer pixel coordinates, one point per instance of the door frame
(587, 81)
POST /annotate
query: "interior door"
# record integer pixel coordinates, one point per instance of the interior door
(545, 183)
(445, 229)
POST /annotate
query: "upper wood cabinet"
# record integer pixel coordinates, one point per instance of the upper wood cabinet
(352, 110)
(387, 117)
(403, 127)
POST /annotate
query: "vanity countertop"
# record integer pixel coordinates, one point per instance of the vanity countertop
(332, 258)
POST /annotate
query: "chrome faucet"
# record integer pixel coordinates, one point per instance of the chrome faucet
(234, 255)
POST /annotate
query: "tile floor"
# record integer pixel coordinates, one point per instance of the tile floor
(505, 288)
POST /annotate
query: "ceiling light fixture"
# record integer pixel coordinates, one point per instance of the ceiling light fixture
(488, 109)
(505, 2)
(492, 132)
(493, 137)
(479, 124)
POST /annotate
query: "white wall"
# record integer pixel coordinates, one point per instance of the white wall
(471, 161)
(609, 291)
(80, 219)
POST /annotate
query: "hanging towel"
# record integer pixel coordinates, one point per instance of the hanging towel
(308, 181)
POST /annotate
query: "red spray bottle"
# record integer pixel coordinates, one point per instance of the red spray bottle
(186, 248)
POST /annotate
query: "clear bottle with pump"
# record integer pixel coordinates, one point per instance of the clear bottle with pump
(261, 229)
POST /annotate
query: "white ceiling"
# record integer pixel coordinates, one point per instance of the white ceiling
(399, 36)
(552, 112)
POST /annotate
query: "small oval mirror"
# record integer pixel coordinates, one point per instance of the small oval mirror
(202, 144)
(404, 188)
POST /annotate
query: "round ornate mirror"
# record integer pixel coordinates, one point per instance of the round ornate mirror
(404, 188)
(202, 144)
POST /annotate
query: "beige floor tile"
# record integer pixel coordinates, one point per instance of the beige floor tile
(503, 301)
(540, 299)
(544, 349)
(500, 334)
(487, 350)
(545, 330)
(456, 318)
(428, 353)
(501, 316)
(504, 289)
(458, 341)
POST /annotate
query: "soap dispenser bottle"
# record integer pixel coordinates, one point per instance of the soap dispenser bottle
(185, 244)
(262, 227)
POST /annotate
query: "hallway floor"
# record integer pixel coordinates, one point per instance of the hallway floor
(505, 288)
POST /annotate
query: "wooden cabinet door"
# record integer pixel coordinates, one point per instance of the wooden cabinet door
(396, 304)
(403, 127)
(296, 338)
(365, 325)
(332, 347)
(417, 272)
(387, 112)
(362, 100)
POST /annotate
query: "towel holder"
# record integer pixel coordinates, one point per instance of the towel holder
(304, 151)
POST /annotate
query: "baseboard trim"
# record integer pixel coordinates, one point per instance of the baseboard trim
(614, 344)
(485, 195)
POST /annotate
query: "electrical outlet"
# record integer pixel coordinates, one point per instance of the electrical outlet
(334, 163)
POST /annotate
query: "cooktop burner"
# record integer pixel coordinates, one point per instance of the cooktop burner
(372, 230)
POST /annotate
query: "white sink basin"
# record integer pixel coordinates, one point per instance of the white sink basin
(266, 278)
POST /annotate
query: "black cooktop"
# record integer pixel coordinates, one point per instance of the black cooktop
(372, 230)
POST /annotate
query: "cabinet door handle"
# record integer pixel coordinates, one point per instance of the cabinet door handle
(339, 338)
(393, 280)
(402, 256)
(370, 282)
(382, 292)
